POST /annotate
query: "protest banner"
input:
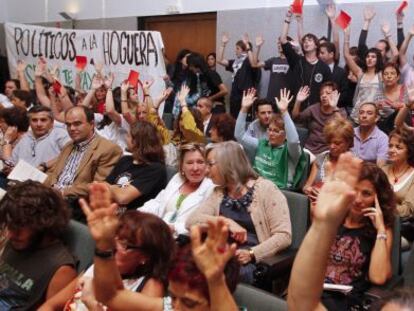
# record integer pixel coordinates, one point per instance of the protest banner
(118, 51)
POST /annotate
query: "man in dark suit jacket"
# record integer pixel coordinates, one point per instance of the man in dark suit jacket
(327, 52)
(87, 158)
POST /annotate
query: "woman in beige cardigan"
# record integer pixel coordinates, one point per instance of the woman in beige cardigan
(400, 172)
(254, 208)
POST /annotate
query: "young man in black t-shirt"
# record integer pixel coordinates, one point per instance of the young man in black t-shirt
(305, 70)
(278, 67)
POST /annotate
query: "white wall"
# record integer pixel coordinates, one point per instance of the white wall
(38, 11)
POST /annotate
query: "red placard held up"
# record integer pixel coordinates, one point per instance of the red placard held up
(56, 86)
(297, 7)
(343, 19)
(81, 62)
(402, 6)
(133, 78)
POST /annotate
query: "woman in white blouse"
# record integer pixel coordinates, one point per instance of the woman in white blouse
(185, 191)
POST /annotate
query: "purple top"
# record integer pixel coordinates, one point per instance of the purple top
(314, 120)
(374, 148)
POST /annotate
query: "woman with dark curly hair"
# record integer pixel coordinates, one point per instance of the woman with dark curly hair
(144, 248)
(222, 128)
(400, 172)
(35, 264)
(139, 177)
(361, 251)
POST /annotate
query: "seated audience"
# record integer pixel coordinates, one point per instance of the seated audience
(41, 144)
(254, 208)
(185, 191)
(345, 225)
(201, 278)
(21, 99)
(395, 97)
(15, 126)
(139, 177)
(35, 265)
(279, 157)
(400, 172)
(143, 245)
(315, 117)
(188, 127)
(205, 106)
(222, 128)
(257, 128)
(339, 134)
(370, 143)
(9, 87)
(87, 158)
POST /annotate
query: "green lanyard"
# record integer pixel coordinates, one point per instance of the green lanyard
(180, 200)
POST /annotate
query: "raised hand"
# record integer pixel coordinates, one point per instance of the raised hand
(109, 80)
(225, 39)
(338, 192)
(330, 11)
(21, 65)
(246, 39)
(182, 94)
(285, 99)
(99, 69)
(165, 94)
(97, 82)
(101, 215)
(147, 84)
(248, 99)
(212, 256)
(54, 72)
(369, 13)
(303, 94)
(259, 41)
(333, 98)
(410, 93)
(385, 28)
(375, 215)
(411, 31)
(41, 67)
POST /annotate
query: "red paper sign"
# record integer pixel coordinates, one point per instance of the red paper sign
(81, 62)
(402, 6)
(56, 86)
(343, 20)
(297, 6)
(133, 78)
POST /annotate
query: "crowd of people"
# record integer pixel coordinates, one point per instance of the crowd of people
(182, 214)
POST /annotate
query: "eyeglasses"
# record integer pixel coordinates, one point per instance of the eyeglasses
(123, 244)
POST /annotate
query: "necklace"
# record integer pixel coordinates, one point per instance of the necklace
(397, 178)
